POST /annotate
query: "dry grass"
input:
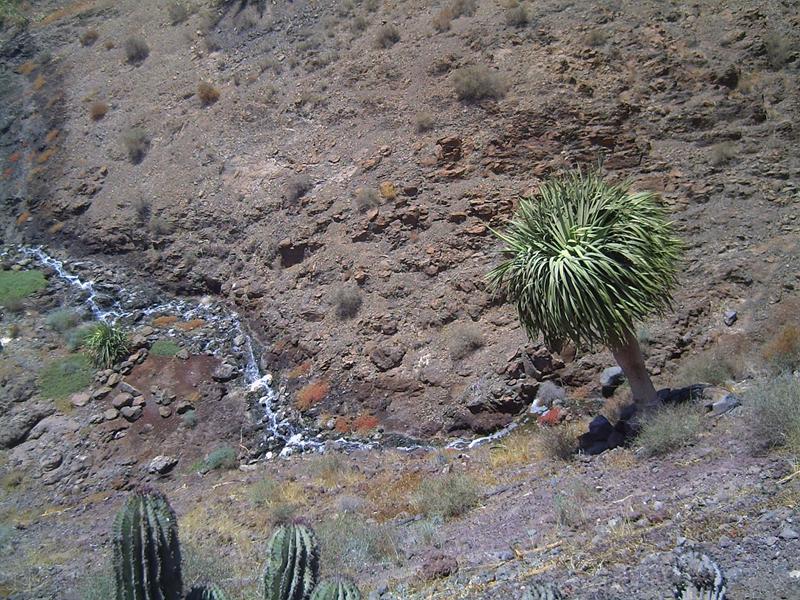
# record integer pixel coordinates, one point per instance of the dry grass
(775, 412)
(136, 143)
(447, 496)
(463, 340)
(441, 21)
(98, 110)
(387, 36)
(89, 37)
(670, 428)
(514, 450)
(424, 122)
(722, 153)
(715, 366)
(312, 394)
(569, 503)
(207, 93)
(517, 16)
(778, 49)
(782, 351)
(559, 442)
(478, 82)
(367, 199)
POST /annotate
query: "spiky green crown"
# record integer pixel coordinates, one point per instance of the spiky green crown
(585, 260)
(209, 592)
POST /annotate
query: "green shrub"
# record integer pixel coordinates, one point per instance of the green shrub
(447, 497)
(63, 377)
(16, 285)
(189, 419)
(350, 541)
(478, 82)
(75, 338)
(63, 320)
(105, 344)
(669, 428)
(223, 458)
(775, 408)
(164, 348)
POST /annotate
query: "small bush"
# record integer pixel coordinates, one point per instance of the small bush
(477, 83)
(367, 199)
(189, 419)
(775, 409)
(89, 37)
(75, 338)
(312, 394)
(207, 93)
(558, 443)
(424, 122)
(98, 110)
(447, 497)
(16, 285)
(274, 498)
(778, 49)
(517, 16)
(387, 37)
(568, 504)
(350, 541)
(159, 226)
(330, 469)
(177, 12)
(442, 20)
(359, 24)
(137, 143)
(669, 428)
(164, 348)
(463, 340)
(63, 320)
(136, 50)
(98, 585)
(298, 186)
(596, 37)
(106, 344)
(722, 153)
(223, 457)
(782, 352)
(347, 301)
(712, 366)
(65, 376)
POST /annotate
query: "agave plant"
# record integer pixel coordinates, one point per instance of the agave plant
(106, 344)
(585, 261)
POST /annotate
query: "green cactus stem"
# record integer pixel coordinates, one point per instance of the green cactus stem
(203, 592)
(542, 591)
(336, 589)
(292, 564)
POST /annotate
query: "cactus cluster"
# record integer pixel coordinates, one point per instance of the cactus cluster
(542, 591)
(697, 577)
(147, 558)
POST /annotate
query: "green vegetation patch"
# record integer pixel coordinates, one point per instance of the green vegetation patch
(16, 285)
(11, 13)
(65, 376)
(164, 348)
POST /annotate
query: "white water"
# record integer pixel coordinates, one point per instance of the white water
(291, 436)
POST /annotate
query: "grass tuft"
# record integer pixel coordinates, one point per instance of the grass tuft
(775, 409)
(164, 348)
(670, 428)
(137, 143)
(349, 541)
(388, 36)
(136, 50)
(63, 377)
(207, 93)
(347, 301)
(782, 352)
(449, 496)
(16, 285)
(478, 82)
(223, 458)
(106, 344)
(463, 340)
(63, 320)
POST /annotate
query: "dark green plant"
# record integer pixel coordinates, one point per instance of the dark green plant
(542, 591)
(292, 564)
(203, 592)
(146, 552)
(106, 344)
(587, 261)
(336, 589)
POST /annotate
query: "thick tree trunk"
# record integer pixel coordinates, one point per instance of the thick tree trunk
(629, 356)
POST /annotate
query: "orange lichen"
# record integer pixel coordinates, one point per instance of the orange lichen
(55, 228)
(23, 218)
(45, 156)
(165, 321)
(51, 135)
(191, 325)
(312, 394)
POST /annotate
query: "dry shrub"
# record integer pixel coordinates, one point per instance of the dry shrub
(596, 37)
(722, 153)
(365, 423)
(463, 8)
(98, 110)
(109, 45)
(136, 50)
(359, 24)
(778, 49)
(669, 428)
(782, 351)
(312, 394)
(388, 36)
(424, 122)
(207, 93)
(449, 496)
(715, 366)
(89, 37)
(517, 16)
(569, 503)
(367, 199)
(177, 12)
(477, 83)
(304, 368)
(559, 442)
(347, 301)
(441, 22)
(349, 541)
(463, 340)
(298, 186)
(775, 408)
(137, 143)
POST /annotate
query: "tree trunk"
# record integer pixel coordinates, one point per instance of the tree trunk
(629, 356)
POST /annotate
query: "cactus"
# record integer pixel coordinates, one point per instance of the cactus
(336, 589)
(542, 591)
(293, 564)
(697, 577)
(203, 592)
(147, 557)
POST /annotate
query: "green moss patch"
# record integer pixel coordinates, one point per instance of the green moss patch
(164, 348)
(16, 285)
(65, 376)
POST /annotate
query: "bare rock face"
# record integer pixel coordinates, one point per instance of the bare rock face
(386, 357)
(17, 424)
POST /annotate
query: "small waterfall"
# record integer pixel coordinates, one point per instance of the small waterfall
(124, 304)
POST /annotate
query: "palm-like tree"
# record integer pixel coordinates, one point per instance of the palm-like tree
(585, 260)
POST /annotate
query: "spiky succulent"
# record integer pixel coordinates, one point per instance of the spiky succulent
(146, 551)
(336, 589)
(203, 592)
(542, 591)
(293, 563)
(585, 260)
(106, 344)
(697, 577)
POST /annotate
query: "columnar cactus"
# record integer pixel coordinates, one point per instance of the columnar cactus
(336, 589)
(293, 564)
(147, 557)
(697, 577)
(211, 592)
(542, 591)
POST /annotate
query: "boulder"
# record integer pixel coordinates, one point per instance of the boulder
(610, 379)
(161, 464)
(225, 372)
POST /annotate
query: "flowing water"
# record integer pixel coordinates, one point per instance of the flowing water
(112, 302)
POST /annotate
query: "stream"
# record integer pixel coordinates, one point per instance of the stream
(112, 302)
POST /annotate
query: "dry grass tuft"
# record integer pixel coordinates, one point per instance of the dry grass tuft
(347, 301)
(424, 122)
(137, 143)
(136, 50)
(89, 37)
(478, 82)
(722, 153)
(388, 36)
(670, 428)
(207, 93)
(448, 496)
(98, 110)
(715, 366)
(559, 442)
(367, 199)
(463, 340)
(775, 410)
(782, 351)
(312, 394)
(514, 450)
